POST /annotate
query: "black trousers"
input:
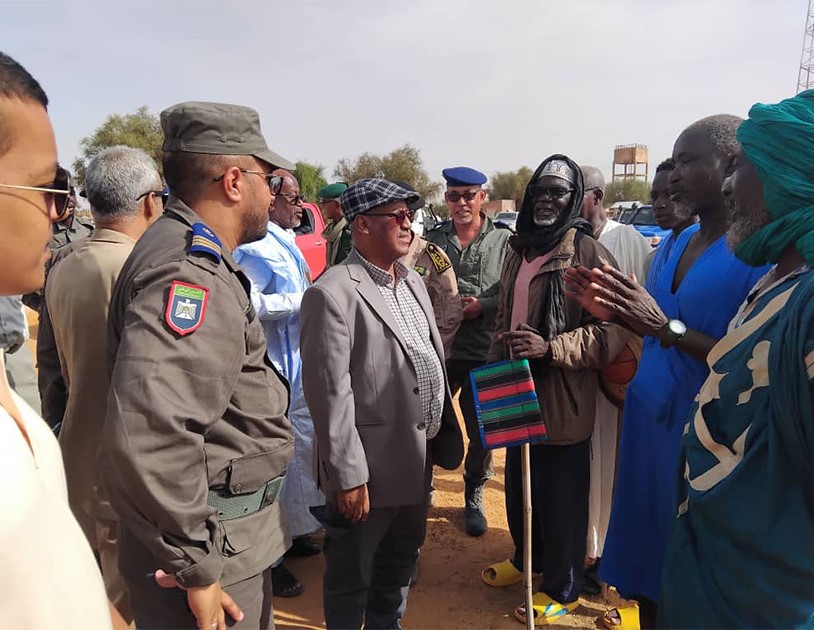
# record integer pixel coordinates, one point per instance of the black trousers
(161, 608)
(478, 461)
(560, 480)
(368, 565)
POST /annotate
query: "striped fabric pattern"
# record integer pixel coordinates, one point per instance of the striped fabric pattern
(508, 410)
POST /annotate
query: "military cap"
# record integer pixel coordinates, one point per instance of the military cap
(418, 203)
(367, 194)
(217, 129)
(463, 176)
(332, 191)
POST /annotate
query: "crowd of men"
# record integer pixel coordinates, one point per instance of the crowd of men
(217, 408)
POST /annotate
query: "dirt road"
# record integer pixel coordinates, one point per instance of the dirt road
(449, 592)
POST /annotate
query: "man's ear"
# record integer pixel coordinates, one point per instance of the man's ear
(151, 209)
(600, 195)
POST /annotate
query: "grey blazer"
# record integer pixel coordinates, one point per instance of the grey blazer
(362, 390)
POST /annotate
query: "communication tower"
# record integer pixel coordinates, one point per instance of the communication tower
(805, 78)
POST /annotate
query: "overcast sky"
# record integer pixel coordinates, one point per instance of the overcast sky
(492, 84)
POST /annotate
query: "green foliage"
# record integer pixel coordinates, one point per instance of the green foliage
(311, 179)
(403, 163)
(627, 190)
(141, 130)
(510, 185)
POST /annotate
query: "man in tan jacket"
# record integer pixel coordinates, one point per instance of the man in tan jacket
(125, 193)
(565, 346)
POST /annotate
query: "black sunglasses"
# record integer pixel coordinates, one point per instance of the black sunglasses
(275, 182)
(454, 196)
(163, 194)
(555, 192)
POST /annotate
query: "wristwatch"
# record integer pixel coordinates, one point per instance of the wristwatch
(676, 329)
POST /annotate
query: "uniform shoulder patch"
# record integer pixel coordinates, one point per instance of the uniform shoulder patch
(204, 240)
(440, 261)
(186, 307)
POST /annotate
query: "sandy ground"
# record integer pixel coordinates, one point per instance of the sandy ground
(449, 592)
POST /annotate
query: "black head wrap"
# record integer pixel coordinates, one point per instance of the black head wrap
(542, 239)
(545, 238)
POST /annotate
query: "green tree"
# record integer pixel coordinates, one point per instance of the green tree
(403, 163)
(141, 130)
(510, 185)
(311, 179)
(627, 190)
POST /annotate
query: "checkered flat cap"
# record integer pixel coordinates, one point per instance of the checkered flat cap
(367, 194)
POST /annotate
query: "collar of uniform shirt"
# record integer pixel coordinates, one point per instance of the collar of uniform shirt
(382, 277)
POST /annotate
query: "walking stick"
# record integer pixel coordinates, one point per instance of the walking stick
(525, 452)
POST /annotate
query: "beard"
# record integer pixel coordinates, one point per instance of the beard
(254, 221)
(744, 223)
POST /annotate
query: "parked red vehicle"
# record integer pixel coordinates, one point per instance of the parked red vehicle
(310, 240)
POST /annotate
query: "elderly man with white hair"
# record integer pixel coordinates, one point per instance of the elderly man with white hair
(126, 195)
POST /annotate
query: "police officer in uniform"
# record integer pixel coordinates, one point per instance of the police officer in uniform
(196, 440)
(337, 229)
(69, 228)
(476, 246)
(435, 268)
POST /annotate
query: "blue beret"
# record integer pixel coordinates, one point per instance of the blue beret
(367, 194)
(463, 176)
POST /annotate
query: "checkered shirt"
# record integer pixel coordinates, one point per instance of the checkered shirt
(415, 329)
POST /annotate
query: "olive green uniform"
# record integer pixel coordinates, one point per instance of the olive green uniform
(478, 267)
(196, 434)
(339, 241)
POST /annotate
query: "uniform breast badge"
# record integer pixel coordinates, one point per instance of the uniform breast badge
(186, 307)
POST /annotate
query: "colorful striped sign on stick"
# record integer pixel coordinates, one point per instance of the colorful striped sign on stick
(508, 410)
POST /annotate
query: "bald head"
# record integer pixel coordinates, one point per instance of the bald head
(593, 178)
(286, 209)
(592, 210)
(720, 131)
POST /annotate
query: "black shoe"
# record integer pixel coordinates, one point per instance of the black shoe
(474, 518)
(284, 583)
(306, 545)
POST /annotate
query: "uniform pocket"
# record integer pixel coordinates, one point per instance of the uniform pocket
(249, 473)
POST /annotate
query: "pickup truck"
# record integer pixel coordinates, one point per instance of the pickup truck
(310, 240)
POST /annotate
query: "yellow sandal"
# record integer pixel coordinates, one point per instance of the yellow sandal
(627, 618)
(501, 574)
(546, 610)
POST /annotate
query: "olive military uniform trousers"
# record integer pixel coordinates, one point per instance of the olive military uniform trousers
(159, 608)
(478, 462)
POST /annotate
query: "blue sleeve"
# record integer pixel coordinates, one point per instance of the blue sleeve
(269, 305)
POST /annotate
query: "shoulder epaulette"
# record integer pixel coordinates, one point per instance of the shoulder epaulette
(440, 261)
(204, 240)
(440, 225)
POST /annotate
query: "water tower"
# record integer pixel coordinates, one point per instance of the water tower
(630, 162)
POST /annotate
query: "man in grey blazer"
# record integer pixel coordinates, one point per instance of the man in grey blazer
(374, 380)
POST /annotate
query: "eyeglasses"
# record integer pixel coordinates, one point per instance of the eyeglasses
(275, 182)
(591, 189)
(552, 193)
(398, 216)
(454, 196)
(163, 194)
(57, 193)
(296, 200)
